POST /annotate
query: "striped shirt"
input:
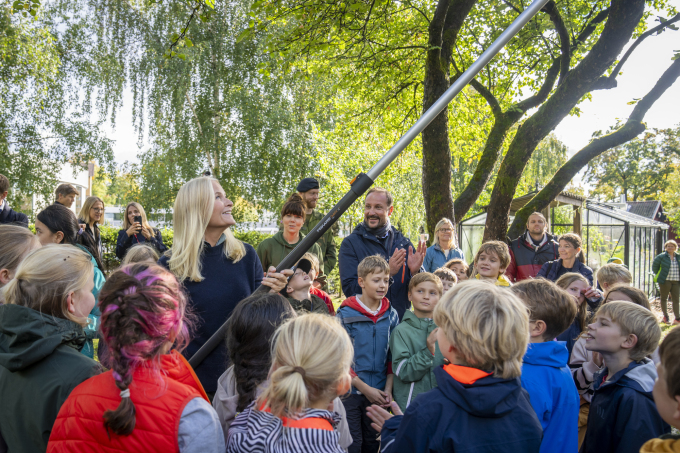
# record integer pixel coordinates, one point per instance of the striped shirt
(259, 431)
(674, 272)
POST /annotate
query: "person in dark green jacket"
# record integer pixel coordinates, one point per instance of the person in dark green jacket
(666, 267)
(309, 191)
(41, 335)
(274, 249)
(415, 354)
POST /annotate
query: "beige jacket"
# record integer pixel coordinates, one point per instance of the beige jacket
(226, 400)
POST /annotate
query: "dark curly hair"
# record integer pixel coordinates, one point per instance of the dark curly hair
(251, 327)
(143, 308)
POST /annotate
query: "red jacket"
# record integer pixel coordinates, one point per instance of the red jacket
(158, 403)
(526, 259)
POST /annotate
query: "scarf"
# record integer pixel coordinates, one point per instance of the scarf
(530, 240)
(380, 232)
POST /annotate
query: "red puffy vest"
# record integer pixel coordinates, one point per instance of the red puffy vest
(159, 402)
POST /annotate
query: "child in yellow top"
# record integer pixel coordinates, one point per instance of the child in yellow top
(491, 261)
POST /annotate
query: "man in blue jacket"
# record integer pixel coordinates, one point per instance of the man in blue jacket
(376, 236)
(7, 214)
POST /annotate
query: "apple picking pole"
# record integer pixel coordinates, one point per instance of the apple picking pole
(363, 181)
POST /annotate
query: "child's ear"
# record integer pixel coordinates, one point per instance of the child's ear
(676, 415)
(502, 270)
(630, 341)
(361, 282)
(538, 329)
(69, 303)
(289, 289)
(5, 276)
(344, 385)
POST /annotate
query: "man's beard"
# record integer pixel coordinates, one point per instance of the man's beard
(311, 204)
(381, 222)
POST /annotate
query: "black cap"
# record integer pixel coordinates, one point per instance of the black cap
(305, 266)
(307, 184)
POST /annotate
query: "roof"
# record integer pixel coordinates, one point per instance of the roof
(623, 216)
(647, 209)
(564, 198)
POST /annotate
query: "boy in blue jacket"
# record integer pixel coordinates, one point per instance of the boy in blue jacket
(622, 412)
(545, 371)
(369, 320)
(479, 404)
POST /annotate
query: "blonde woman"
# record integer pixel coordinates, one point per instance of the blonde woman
(136, 230)
(217, 270)
(444, 247)
(91, 215)
(41, 334)
(15, 242)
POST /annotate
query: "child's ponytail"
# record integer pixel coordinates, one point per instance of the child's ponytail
(312, 356)
(143, 309)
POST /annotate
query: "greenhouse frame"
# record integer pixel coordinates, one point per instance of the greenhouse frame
(608, 231)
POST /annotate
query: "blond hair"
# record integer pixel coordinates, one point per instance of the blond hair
(423, 277)
(372, 265)
(498, 248)
(192, 211)
(15, 243)
(145, 222)
(635, 320)
(669, 351)
(445, 222)
(87, 206)
(311, 356)
(46, 277)
(613, 273)
(139, 253)
(670, 241)
(488, 325)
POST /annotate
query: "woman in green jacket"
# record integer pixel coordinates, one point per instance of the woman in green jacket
(274, 249)
(666, 266)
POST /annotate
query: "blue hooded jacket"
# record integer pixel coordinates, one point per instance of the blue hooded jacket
(546, 376)
(361, 244)
(623, 415)
(552, 270)
(489, 415)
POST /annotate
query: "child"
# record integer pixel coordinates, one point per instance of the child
(576, 285)
(479, 404)
(41, 334)
(369, 320)
(622, 413)
(151, 399)
(141, 253)
(312, 356)
(491, 261)
(298, 291)
(251, 328)
(459, 267)
(15, 242)
(545, 374)
(667, 394)
(584, 364)
(610, 274)
(447, 277)
(313, 274)
(413, 345)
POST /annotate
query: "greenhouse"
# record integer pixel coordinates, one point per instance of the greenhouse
(608, 231)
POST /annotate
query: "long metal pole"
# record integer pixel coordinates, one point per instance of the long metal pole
(363, 181)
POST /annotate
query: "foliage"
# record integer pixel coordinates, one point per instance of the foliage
(640, 169)
(40, 130)
(117, 189)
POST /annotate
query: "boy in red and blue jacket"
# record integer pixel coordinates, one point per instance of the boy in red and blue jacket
(369, 320)
(479, 404)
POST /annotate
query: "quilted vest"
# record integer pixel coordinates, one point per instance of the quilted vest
(159, 402)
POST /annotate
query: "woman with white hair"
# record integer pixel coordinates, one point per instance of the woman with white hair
(666, 268)
(136, 230)
(217, 270)
(444, 247)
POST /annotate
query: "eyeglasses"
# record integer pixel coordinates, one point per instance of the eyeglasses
(445, 230)
(97, 209)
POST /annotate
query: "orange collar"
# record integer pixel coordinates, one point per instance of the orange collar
(308, 422)
(465, 374)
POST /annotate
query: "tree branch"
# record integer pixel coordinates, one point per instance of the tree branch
(631, 129)
(589, 29)
(487, 95)
(565, 47)
(542, 95)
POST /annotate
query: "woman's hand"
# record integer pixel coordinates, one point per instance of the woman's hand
(380, 415)
(276, 280)
(134, 229)
(146, 233)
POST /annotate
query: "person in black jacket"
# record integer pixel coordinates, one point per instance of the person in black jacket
(135, 232)
(7, 214)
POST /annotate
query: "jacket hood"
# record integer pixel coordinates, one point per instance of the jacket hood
(668, 443)
(352, 303)
(550, 353)
(278, 237)
(639, 376)
(412, 320)
(28, 336)
(488, 397)
(502, 280)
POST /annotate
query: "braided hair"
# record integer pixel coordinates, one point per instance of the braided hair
(251, 327)
(143, 309)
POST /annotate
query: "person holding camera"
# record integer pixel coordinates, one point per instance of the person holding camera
(136, 230)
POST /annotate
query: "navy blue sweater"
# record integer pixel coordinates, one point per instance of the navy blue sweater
(224, 285)
(125, 242)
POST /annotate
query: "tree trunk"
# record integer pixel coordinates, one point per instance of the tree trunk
(624, 16)
(633, 127)
(443, 31)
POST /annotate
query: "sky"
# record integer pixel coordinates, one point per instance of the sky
(639, 74)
